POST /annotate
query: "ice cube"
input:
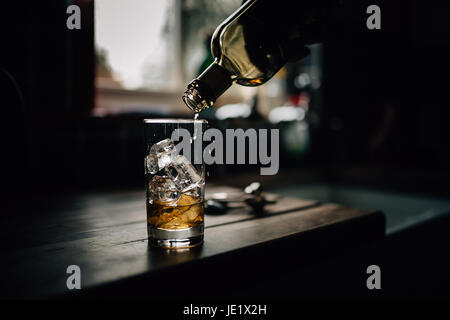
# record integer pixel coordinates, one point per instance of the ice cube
(163, 190)
(183, 174)
(160, 156)
(151, 164)
(163, 146)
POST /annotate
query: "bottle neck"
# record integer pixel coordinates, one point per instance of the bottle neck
(203, 91)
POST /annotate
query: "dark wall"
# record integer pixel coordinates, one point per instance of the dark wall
(47, 88)
(385, 91)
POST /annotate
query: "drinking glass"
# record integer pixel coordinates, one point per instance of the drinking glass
(175, 182)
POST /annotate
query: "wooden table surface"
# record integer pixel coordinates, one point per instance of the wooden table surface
(105, 235)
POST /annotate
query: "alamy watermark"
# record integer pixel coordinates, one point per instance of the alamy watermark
(374, 280)
(74, 280)
(74, 20)
(374, 20)
(221, 150)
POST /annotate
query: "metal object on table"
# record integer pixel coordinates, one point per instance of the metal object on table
(252, 195)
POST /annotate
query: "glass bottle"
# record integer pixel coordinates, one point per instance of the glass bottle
(251, 45)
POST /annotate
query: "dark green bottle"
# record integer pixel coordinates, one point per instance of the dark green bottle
(251, 45)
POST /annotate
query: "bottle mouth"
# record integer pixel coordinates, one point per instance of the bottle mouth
(194, 100)
(202, 92)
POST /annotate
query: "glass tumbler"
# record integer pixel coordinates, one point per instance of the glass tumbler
(175, 182)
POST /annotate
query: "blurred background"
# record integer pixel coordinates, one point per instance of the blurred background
(366, 109)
